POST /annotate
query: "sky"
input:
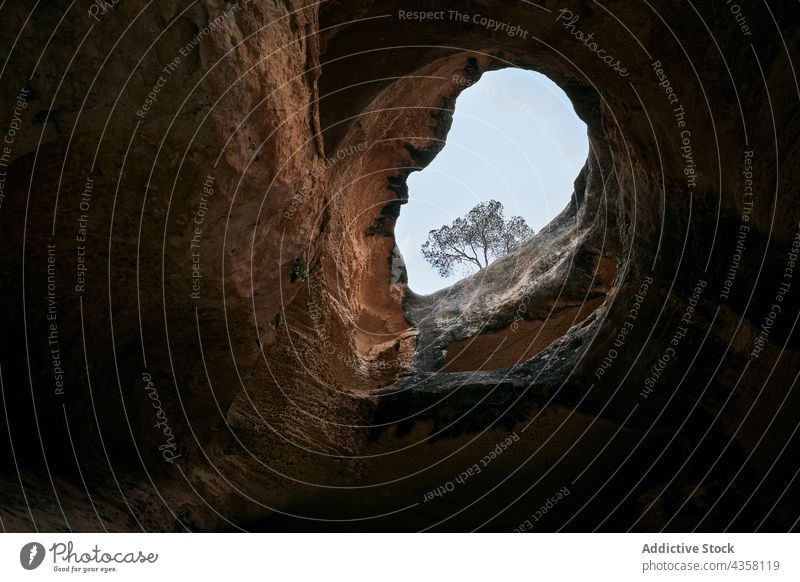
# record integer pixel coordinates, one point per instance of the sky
(515, 138)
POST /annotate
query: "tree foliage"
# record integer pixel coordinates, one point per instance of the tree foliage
(475, 240)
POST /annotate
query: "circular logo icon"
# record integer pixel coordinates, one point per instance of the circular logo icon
(31, 555)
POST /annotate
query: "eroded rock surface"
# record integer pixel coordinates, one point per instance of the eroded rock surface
(206, 326)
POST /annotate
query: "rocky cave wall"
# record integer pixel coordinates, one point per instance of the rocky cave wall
(264, 146)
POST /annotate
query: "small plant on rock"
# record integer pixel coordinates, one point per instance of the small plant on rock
(299, 271)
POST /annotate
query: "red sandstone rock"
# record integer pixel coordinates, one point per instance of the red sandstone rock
(284, 136)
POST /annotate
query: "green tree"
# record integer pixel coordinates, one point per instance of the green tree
(475, 240)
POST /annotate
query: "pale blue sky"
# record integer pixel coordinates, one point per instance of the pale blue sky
(515, 138)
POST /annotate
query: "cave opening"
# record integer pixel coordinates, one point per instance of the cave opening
(515, 139)
(527, 147)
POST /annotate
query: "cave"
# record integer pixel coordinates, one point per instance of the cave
(207, 328)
